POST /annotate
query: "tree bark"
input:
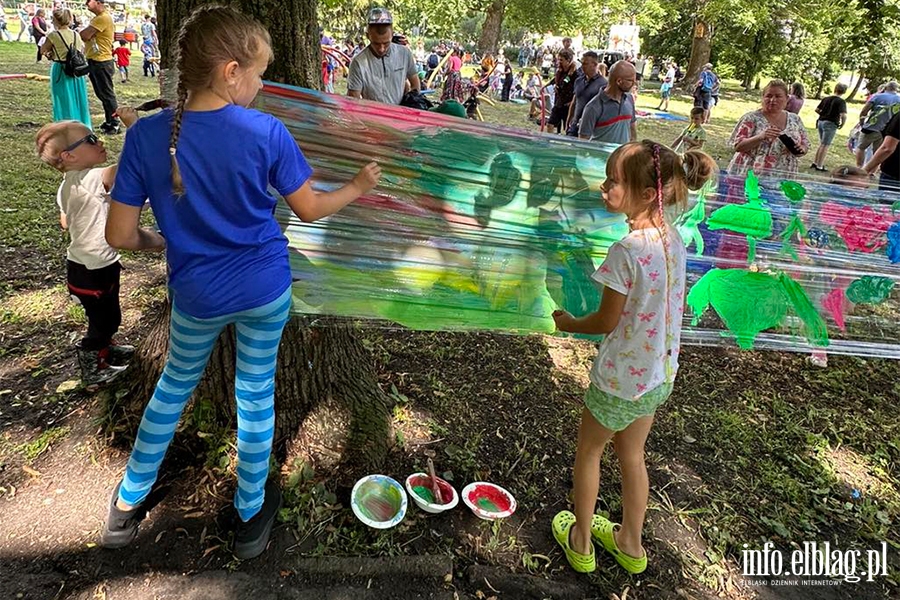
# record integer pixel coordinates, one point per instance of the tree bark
(490, 31)
(314, 364)
(291, 23)
(700, 49)
(856, 87)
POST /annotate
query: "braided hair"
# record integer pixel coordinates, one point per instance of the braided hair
(210, 37)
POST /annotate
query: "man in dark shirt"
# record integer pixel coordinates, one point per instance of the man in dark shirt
(888, 157)
(565, 89)
(588, 82)
(832, 116)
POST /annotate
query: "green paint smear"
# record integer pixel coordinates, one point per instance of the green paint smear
(486, 505)
(378, 501)
(753, 219)
(869, 289)
(794, 191)
(424, 493)
(749, 303)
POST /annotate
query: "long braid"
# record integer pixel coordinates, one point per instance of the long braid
(177, 182)
(662, 227)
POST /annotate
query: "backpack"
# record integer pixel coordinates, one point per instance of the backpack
(75, 64)
(707, 81)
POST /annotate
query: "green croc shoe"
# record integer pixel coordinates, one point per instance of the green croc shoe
(562, 525)
(602, 532)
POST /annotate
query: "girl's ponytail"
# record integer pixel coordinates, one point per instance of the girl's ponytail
(177, 182)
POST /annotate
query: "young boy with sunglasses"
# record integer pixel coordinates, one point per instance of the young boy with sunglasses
(93, 268)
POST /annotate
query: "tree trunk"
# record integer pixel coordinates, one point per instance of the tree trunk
(700, 49)
(490, 31)
(856, 87)
(291, 23)
(314, 364)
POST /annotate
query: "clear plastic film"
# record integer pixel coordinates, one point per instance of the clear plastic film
(477, 227)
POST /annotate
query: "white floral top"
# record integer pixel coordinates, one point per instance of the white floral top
(768, 156)
(641, 353)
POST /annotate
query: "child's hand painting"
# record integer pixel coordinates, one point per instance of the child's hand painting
(562, 319)
(367, 177)
(127, 115)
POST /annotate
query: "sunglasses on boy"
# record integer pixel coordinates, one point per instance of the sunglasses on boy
(90, 138)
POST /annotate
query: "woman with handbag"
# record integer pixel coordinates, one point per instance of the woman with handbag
(69, 93)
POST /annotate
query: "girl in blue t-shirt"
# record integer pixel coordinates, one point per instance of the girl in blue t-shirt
(206, 168)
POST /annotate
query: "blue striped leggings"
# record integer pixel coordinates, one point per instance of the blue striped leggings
(191, 341)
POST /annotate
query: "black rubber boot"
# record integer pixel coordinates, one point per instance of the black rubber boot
(120, 354)
(121, 525)
(252, 537)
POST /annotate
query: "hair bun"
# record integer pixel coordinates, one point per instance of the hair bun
(699, 167)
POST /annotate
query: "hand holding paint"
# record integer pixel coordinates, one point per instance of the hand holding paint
(367, 177)
(435, 487)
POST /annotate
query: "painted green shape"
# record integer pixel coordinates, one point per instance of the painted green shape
(870, 289)
(486, 505)
(688, 223)
(753, 218)
(794, 227)
(749, 302)
(895, 207)
(794, 191)
(816, 328)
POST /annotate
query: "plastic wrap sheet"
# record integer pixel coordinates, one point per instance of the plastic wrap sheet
(477, 227)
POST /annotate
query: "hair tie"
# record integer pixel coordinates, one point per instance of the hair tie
(685, 168)
(172, 150)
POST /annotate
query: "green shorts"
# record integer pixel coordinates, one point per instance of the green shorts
(616, 413)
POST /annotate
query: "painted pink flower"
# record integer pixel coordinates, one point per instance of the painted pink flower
(654, 275)
(641, 387)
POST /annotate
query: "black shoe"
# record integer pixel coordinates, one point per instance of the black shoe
(95, 367)
(121, 525)
(110, 128)
(252, 537)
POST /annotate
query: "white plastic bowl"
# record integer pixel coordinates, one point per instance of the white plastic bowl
(378, 501)
(494, 494)
(417, 479)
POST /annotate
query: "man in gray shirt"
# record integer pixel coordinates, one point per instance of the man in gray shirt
(587, 84)
(380, 72)
(610, 116)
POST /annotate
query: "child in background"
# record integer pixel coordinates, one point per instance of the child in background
(149, 66)
(665, 93)
(92, 266)
(640, 312)
(123, 59)
(227, 257)
(693, 136)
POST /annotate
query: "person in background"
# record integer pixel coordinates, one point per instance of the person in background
(4, 28)
(796, 98)
(39, 31)
(665, 90)
(693, 136)
(149, 59)
(69, 94)
(832, 112)
(123, 59)
(610, 117)
(565, 89)
(587, 84)
(888, 157)
(98, 39)
(383, 69)
(769, 139)
(707, 83)
(874, 117)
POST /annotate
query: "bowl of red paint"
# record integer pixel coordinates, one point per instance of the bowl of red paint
(488, 500)
(419, 488)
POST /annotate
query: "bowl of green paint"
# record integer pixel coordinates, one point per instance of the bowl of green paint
(488, 501)
(420, 489)
(378, 501)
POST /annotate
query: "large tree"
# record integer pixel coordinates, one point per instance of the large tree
(314, 364)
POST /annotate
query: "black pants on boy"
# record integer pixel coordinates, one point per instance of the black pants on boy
(98, 292)
(101, 74)
(149, 68)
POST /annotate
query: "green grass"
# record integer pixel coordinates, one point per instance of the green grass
(42, 443)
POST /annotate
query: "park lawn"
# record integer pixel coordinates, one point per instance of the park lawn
(751, 447)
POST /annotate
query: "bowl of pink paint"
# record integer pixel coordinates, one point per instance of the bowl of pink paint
(421, 490)
(378, 501)
(488, 500)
